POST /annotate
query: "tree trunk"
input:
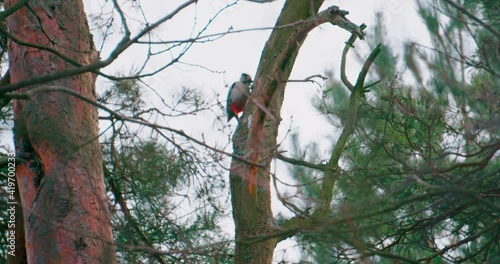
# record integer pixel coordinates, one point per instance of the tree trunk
(61, 183)
(255, 137)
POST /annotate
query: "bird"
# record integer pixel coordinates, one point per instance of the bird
(237, 96)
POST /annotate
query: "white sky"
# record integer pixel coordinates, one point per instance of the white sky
(237, 53)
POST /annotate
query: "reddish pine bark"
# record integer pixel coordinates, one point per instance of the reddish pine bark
(62, 190)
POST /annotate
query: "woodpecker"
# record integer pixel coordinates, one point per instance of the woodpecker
(237, 96)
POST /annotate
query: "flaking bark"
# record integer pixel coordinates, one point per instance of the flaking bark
(61, 182)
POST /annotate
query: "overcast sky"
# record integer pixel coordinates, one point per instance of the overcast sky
(233, 54)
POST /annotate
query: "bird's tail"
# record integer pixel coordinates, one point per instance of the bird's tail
(230, 116)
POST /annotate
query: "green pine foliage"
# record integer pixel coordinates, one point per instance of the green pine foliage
(420, 175)
(144, 179)
(164, 195)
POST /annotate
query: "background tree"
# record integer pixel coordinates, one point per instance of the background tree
(149, 184)
(419, 179)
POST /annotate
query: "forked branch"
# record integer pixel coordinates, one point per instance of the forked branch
(331, 169)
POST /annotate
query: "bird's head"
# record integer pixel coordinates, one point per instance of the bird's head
(246, 79)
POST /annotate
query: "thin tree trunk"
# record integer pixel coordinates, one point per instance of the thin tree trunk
(255, 138)
(61, 184)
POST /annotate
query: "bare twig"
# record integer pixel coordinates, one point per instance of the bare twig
(302, 163)
(13, 9)
(309, 79)
(121, 117)
(123, 45)
(332, 171)
(349, 44)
